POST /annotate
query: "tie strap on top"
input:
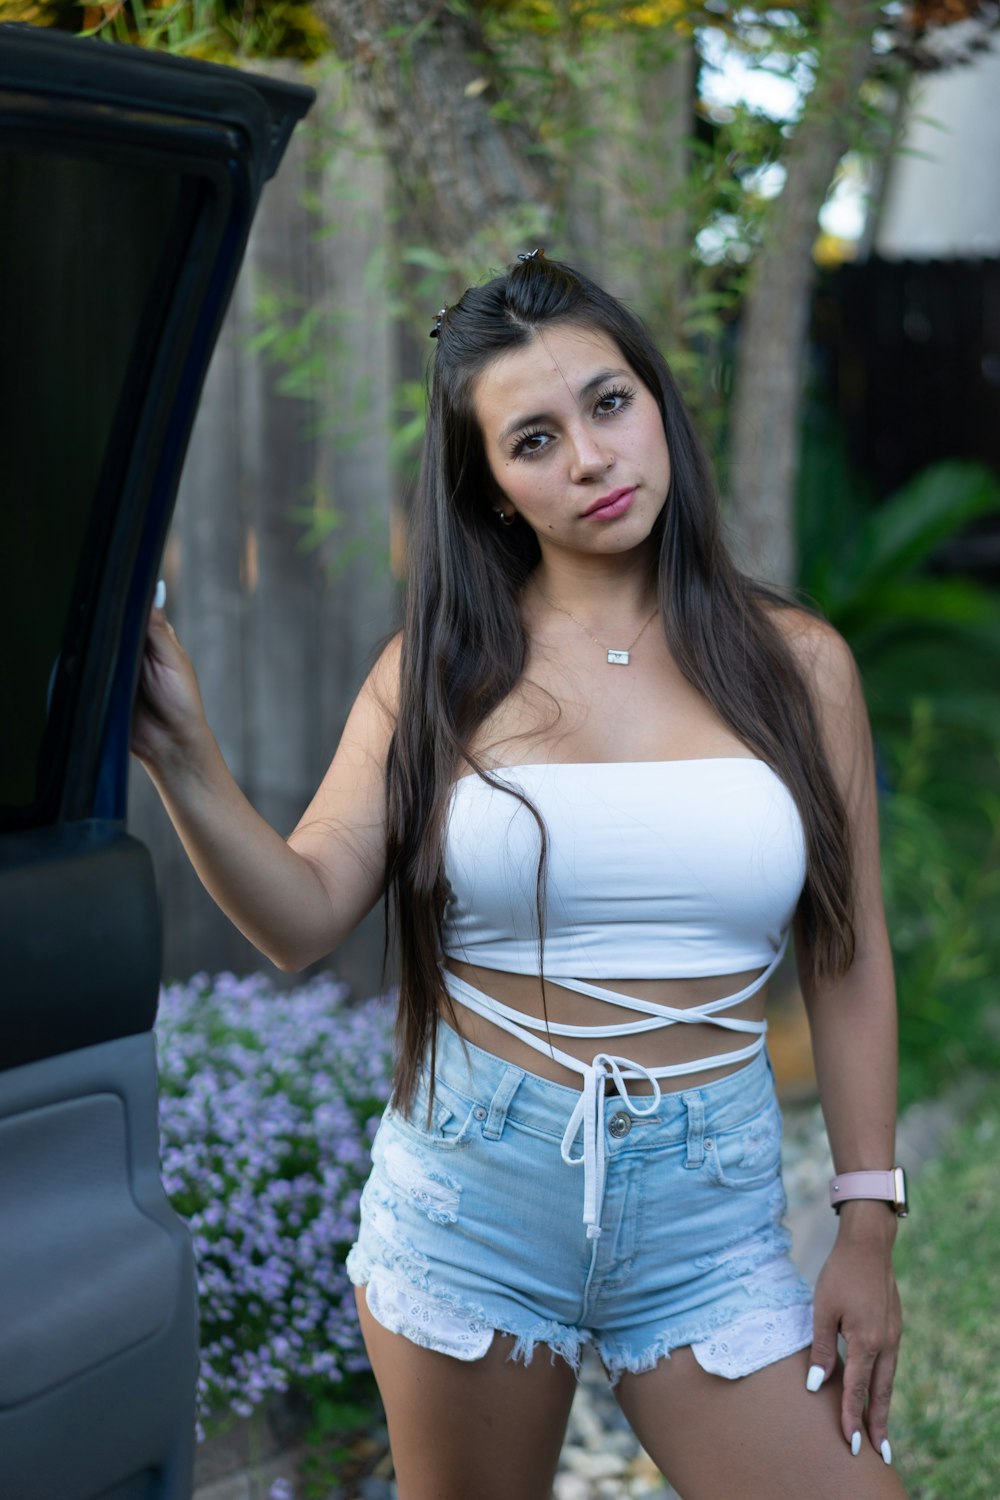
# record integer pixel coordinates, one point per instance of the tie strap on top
(588, 1113)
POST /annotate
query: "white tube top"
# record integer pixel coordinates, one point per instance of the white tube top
(657, 869)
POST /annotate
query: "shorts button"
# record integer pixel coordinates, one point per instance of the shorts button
(619, 1125)
(709, 1145)
(479, 1112)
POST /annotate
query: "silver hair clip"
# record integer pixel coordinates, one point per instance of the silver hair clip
(535, 254)
(435, 332)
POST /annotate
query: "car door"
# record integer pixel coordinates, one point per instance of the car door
(128, 182)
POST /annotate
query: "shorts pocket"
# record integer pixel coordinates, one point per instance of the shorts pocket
(749, 1154)
(452, 1118)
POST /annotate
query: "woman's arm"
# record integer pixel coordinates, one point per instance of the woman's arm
(854, 1035)
(295, 899)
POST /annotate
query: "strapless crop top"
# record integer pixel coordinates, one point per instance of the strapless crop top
(657, 869)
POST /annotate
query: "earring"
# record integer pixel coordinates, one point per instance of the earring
(504, 520)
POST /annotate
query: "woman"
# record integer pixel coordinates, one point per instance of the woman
(601, 776)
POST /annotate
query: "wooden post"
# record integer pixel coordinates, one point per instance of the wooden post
(353, 472)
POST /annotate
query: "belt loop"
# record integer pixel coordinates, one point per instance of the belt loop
(695, 1106)
(500, 1103)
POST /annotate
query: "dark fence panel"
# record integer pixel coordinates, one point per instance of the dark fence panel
(912, 352)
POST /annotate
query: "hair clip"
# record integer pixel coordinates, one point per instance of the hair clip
(435, 332)
(535, 254)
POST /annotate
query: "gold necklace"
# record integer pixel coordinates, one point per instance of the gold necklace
(615, 658)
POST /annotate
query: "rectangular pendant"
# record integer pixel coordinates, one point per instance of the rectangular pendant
(618, 658)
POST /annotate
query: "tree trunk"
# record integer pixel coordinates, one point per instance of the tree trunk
(468, 182)
(770, 367)
(626, 217)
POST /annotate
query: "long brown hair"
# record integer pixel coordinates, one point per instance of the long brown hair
(464, 645)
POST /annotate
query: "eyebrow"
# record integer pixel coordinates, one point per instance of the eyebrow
(544, 416)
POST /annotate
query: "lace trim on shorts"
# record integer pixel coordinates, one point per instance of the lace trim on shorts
(428, 1321)
(755, 1340)
(422, 1320)
(740, 1347)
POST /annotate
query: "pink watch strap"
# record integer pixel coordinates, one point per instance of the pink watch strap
(867, 1185)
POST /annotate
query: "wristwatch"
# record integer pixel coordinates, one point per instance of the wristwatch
(888, 1185)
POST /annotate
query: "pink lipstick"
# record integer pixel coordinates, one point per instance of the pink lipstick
(610, 506)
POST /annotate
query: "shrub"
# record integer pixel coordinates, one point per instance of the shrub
(941, 880)
(269, 1104)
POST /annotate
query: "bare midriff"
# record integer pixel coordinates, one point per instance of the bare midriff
(665, 1046)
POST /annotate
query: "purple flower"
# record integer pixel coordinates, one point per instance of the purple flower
(268, 1105)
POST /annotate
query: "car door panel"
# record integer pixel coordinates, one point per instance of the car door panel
(97, 1286)
(128, 182)
(81, 939)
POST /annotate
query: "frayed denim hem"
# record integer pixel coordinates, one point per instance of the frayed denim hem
(725, 1345)
(561, 1341)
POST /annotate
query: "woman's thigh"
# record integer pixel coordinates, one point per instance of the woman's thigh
(762, 1437)
(489, 1428)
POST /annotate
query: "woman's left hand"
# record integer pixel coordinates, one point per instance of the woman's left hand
(856, 1296)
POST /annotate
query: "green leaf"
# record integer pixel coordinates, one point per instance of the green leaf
(954, 604)
(905, 530)
(406, 437)
(423, 255)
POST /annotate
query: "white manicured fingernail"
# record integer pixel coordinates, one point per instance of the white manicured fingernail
(886, 1451)
(856, 1444)
(815, 1377)
(159, 598)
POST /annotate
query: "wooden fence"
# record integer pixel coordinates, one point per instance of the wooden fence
(281, 636)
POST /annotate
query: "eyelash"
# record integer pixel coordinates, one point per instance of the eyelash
(623, 393)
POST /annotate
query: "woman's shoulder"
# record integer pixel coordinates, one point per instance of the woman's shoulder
(379, 695)
(818, 650)
(386, 670)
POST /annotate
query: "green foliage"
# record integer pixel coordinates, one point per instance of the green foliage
(179, 28)
(225, 31)
(916, 634)
(946, 1407)
(339, 1433)
(292, 338)
(411, 404)
(928, 647)
(941, 882)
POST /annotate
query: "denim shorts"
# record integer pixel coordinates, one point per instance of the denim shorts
(474, 1225)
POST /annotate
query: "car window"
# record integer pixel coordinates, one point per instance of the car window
(78, 333)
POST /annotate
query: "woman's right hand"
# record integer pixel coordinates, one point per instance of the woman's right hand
(168, 716)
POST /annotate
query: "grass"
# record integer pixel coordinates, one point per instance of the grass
(945, 1423)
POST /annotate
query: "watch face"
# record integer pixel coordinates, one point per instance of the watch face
(901, 1204)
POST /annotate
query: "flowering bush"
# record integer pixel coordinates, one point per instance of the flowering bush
(268, 1106)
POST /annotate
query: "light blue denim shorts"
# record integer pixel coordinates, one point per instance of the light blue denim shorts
(475, 1225)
